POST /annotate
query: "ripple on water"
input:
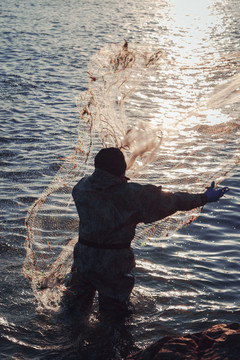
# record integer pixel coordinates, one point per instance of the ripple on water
(185, 283)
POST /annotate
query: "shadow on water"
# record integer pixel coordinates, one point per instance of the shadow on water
(74, 336)
(68, 334)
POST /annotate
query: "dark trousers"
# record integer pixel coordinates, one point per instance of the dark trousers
(113, 292)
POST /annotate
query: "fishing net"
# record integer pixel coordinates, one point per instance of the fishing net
(142, 101)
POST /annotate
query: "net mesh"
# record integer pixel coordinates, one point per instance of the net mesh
(165, 137)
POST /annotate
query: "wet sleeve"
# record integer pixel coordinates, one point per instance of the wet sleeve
(157, 204)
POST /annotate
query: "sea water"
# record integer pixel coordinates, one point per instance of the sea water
(184, 283)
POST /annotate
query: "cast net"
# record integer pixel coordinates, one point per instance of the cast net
(174, 129)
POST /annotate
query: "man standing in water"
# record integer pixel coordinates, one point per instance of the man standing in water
(109, 209)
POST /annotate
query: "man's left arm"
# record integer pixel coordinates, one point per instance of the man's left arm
(165, 203)
(182, 201)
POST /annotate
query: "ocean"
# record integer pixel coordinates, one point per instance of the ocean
(184, 282)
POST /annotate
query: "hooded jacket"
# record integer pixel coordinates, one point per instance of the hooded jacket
(110, 207)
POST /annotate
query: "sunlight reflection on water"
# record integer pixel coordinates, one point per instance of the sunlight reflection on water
(184, 282)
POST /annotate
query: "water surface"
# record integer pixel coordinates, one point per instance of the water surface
(185, 282)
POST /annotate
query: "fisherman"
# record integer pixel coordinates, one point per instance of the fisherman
(109, 208)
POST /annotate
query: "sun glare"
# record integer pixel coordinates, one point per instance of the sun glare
(192, 21)
(193, 55)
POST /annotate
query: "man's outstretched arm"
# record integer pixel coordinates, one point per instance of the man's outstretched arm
(160, 204)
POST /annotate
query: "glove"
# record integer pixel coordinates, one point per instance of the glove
(214, 195)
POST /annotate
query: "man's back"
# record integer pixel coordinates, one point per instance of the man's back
(107, 208)
(110, 208)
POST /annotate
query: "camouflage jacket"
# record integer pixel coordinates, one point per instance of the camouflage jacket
(110, 207)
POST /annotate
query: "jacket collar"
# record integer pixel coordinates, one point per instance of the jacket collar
(108, 177)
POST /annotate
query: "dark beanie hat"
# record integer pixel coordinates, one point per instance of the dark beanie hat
(111, 160)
